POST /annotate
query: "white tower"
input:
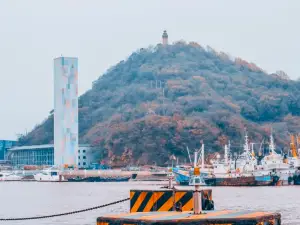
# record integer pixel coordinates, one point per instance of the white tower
(65, 111)
(165, 38)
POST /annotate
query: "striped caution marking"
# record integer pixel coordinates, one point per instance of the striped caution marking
(148, 201)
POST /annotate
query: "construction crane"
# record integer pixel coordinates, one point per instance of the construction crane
(293, 146)
(298, 143)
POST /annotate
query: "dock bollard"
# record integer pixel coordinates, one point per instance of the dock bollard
(197, 194)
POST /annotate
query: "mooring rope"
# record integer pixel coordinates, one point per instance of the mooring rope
(64, 214)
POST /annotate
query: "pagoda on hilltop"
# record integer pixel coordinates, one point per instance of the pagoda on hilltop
(165, 38)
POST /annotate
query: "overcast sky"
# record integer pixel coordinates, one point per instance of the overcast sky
(101, 33)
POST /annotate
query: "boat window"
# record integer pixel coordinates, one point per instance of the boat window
(83, 151)
(84, 163)
(53, 173)
(84, 157)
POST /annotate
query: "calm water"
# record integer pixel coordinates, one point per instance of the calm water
(20, 199)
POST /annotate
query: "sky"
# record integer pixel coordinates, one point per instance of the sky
(102, 33)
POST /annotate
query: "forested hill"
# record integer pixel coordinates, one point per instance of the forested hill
(164, 98)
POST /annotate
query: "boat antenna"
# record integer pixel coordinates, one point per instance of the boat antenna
(252, 150)
(202, 156)
(188, 151)
(226, 154)
(272, 145)
(246, 145)
(195, 159)
(260, 147)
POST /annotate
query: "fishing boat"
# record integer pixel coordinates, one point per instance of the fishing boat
(49, 175)
(242, 164)
(99, 179)
(243, 172)
(10, 176)
(242, 180)
(183, 173)
(276, 164)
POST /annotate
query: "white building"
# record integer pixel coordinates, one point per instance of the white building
(43, 155)
(65, 111)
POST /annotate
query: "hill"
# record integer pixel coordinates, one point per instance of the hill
(164, 98)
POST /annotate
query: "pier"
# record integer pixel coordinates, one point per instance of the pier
(173, 207)
(226, 217)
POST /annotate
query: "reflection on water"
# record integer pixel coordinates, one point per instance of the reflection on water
(21, 199)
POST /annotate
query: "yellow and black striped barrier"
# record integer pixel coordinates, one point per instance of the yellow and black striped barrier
(164, 200)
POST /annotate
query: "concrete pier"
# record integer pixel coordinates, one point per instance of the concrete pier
(226, 217)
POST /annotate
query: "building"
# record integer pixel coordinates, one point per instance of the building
(65, 111)
(43, 155)
(165, 38)
(4, 145)
(87, 156)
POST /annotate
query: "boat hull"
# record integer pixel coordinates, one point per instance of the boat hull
(99, 179)
(183, 177)
(240, 181)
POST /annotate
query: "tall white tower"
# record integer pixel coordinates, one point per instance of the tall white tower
(65, 111)
(165, 38)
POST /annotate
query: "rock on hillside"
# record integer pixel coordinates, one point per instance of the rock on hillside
(164, 98)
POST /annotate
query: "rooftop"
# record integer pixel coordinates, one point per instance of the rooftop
(31, 147)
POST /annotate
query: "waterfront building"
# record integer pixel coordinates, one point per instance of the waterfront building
(4, 146)
(65, 111)
(43, 155)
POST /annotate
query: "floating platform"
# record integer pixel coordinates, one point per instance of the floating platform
(225, 217)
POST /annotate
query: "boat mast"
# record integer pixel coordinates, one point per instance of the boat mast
(202, 156)
(188, 151)
(298, 144)
(272, 145)
(230, 155)
(252, 150)
(195, 159)
(226, 154)
(246, 145)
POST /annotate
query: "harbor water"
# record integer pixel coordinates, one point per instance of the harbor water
(25, 199)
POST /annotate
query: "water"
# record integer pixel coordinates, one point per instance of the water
(21, 199)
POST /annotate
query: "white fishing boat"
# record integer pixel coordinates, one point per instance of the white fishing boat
(49, 175)
(242, 164)
(223, 167)
(10, 176)
(275, 163)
